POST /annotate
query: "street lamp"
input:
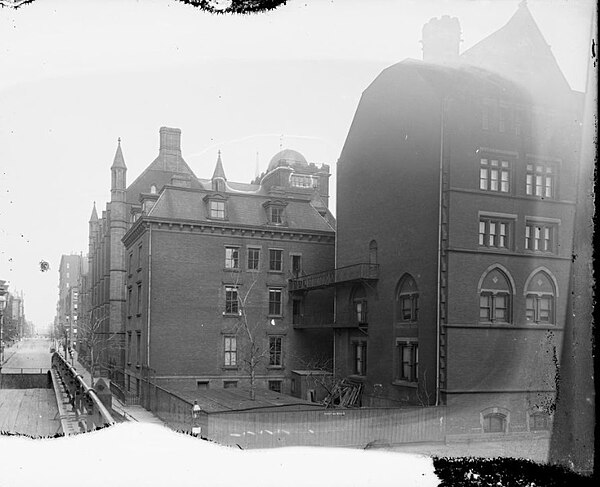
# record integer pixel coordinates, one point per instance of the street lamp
(196, 428)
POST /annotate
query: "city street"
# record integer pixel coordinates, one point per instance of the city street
(31, 355)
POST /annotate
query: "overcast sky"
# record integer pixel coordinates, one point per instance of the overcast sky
(77, 74)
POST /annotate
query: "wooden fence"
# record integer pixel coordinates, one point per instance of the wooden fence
(327, 427)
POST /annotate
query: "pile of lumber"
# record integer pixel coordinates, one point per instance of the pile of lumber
(345, 394)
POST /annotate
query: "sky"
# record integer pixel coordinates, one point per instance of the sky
(75, 75)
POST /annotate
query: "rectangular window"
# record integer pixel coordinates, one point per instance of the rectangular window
(230, 384)
(485, 116)
(494, 175)
(296, 311)
(275, 302)
(540, 237)
(138, 348)
(540, 180)
(253, 259)
(231, 300)
(202, 384)
(494, 307)
(275, 351)
(276, 215)
(232, 258)
(275, 260)
(495, 232)
(230, 351)
(408, 360)
(409, 307)
(217, 209)
(360, 358)
(275, 385)
(130, 262)
(139, 299)
(139, 260)
(128, 347)
(129, 299)
(360, 307)
(539, 308)
(502, 119)
(296, 265)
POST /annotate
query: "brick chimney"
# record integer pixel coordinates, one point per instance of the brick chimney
(441, 39)
(170, 141)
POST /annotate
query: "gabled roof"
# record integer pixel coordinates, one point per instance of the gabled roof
(185, 204)
(519, 51)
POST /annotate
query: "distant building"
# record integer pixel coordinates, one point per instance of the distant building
(206, 257)
(456, 198)
(66, 316)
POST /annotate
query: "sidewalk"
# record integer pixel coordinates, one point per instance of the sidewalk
(129, 412)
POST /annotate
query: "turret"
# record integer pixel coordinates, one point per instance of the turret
(118, 171)
(218, 177)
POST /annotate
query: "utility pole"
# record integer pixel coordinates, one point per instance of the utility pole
(3, 293)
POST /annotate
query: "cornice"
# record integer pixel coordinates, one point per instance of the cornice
(225, 228)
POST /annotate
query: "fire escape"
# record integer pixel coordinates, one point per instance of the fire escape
(343, 318)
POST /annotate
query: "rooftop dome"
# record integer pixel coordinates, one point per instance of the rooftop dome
(287, 157)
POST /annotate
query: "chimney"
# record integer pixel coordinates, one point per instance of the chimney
(441, 39)
(170, 141)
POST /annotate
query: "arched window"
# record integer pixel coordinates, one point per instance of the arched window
(540, 296)
(153, 189)
(539, 421)
(407, 300)
(373, 252)
(495, 297)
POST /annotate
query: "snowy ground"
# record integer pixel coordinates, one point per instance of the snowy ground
(140, 454)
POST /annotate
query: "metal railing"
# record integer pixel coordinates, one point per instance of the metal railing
(355, 272)
(84, 399)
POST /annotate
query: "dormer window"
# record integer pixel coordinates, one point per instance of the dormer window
(216, 206)
(275, 212)
(276, 215)
(219, 185)
(217, 209)
(153, 189)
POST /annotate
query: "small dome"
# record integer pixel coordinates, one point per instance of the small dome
(287, 157)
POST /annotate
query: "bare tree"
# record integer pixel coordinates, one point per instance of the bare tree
(252, 348)
(98, 343)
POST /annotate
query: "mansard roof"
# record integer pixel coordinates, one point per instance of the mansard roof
(242, 210)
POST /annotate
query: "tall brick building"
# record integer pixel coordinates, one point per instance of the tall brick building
(105, 280)
(456, 200)
(69, 271)
(207, 267)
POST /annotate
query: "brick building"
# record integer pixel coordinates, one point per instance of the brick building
(104, 290)
(208, 263)
(69, 272)
(456, 200)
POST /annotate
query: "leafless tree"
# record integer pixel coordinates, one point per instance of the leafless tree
(252, 343)
(97, 343)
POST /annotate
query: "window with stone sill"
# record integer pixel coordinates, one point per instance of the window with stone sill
(494, 175)
(408, 361)
(276, 260)
(232, 258)
(360, 358)
(540, 295)
(540, 237)
(540, 179)
(495, 232)
(230, 354)
(275, 302)
(275, 351)
(231, 301)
